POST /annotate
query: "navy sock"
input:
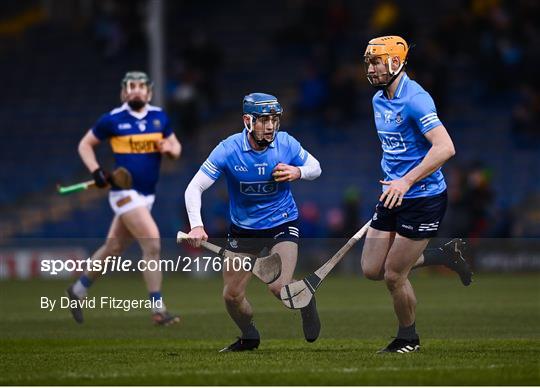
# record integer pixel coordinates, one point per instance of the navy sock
(408, 333)
(157, 302)
(155, 296)
(85, 281)
(434, 256)
(250, 332)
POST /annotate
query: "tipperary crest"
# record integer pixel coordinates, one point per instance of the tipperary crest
(141, 125)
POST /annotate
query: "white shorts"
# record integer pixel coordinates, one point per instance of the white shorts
(123, 201)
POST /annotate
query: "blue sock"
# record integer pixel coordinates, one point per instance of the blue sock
(157, 301)
(154, 296)
(85, 281)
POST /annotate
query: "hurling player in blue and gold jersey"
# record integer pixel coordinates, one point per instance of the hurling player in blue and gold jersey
(139, 134)
(415, 145)
(258, 163)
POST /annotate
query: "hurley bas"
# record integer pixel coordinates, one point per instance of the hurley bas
(104, 302)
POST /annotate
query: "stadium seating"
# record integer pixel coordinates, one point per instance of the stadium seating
(349, 153)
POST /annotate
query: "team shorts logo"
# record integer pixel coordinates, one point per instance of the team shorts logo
(392, 142)
(233, 243)
(258, 188)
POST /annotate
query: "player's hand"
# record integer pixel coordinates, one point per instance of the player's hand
(164, 147)
(393, 196)
(285, 173)
(196, 235)
(101, 178)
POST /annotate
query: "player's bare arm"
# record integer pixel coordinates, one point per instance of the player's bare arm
(88, 156)
(86, 151)
(442, 149)
(170, 147)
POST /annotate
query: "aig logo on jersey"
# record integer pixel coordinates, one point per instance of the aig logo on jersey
(392, 142)
(258, 188)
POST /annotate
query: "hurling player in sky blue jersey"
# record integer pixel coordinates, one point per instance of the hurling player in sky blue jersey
(139, 134)
(258, 163)
(415, 144)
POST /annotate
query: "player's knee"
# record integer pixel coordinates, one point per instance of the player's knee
(114, 247)
(393, 279)
(372, 273)
(151, 248)
(233, 295)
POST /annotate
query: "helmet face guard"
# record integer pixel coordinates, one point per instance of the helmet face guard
(128, 85)
(386, 48)
(266, 109)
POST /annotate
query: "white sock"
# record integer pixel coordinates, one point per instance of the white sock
(80, 290)
(159, 307)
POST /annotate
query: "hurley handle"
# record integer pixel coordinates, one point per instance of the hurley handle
(181, 237)
(330, 264)
(64, 190)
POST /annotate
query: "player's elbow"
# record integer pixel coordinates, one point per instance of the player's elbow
(446, 151)
(179, 151)
(83, 147)
(450, 151)
(312, 171)
(190, 192)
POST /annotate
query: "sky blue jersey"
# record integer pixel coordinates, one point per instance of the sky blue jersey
(256, 201)
(134, 142)
(401, 125)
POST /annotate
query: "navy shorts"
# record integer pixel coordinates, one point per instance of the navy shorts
(416, 218)
(254, 241)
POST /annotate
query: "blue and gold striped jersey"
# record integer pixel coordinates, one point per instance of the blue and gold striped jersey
(133, 137)
(401, 125)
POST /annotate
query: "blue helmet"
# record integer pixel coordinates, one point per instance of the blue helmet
(261, 104)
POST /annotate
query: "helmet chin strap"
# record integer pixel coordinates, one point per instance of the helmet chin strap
(392, 79)
(261, 143)
(389, 71)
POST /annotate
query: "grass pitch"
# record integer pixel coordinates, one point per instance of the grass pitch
(484, 334)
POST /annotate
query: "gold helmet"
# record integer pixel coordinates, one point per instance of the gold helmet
(388, 47)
